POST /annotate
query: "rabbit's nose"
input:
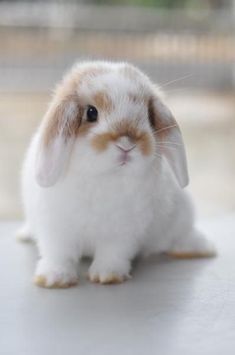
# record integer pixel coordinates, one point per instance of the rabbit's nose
(125, 144)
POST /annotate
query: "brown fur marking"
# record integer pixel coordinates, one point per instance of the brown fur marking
(158, 123)
(103, 101)
(111, 279)
(100, 142)
(145, 144)
(189, 255)
(55, 120)
(41, 281)
(84, 128)
(66, 94)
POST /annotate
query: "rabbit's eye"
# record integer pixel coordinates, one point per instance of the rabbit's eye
(92, 114)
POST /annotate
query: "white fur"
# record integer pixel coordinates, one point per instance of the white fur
(107, 211)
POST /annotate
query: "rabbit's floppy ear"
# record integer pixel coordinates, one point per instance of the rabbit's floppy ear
(170, 140)
(56, 137)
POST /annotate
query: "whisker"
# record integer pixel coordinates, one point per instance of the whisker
(162, 147)
(176, 90)
(175, 80)
(165, 128)
(169, 143)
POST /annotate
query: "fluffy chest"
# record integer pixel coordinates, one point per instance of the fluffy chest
(116, 204)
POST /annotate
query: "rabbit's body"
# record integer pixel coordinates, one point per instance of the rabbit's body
(111, 212)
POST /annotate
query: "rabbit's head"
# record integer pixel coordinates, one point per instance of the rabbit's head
(110, 116)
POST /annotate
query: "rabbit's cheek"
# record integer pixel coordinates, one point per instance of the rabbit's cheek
(101, 142)
(145, 144)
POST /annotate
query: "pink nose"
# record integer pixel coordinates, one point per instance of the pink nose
(125, 150)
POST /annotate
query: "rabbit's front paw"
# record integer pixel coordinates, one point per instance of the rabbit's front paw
(50, 275)
(104, 273)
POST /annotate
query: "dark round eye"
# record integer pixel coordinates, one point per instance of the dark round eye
(92, 114)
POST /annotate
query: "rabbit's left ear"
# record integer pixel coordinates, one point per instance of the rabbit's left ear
(170, 140)
(56, 138)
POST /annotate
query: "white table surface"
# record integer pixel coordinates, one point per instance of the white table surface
(169, 307)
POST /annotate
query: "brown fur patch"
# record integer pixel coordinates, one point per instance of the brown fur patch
(156, 120)
(126, 128)
(161, 127)
(71, 83)
(66, 95)
(111, 279)
(145, 144)
(100, 142)
(103, 101)
(190, 255)
(41, 281)
(84, 128)
(57, 116)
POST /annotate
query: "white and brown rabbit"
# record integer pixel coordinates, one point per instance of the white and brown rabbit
(104, 177)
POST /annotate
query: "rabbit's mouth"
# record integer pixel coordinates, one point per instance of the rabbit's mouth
(124, 158)
(125, 148)
(125, 154)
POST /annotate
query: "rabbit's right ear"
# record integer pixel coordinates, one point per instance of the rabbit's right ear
(56, 137)
(169, 138)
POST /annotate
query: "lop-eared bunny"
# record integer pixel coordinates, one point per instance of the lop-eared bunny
(104, 177)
